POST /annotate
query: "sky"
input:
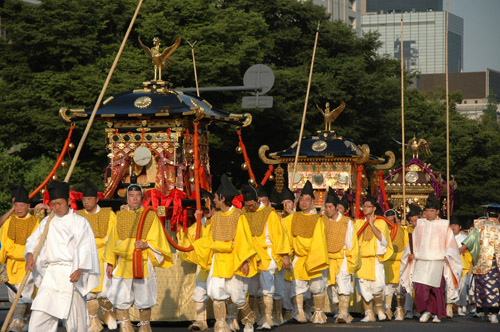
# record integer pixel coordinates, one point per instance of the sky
(481, 32)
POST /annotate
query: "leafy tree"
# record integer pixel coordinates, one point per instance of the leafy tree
(58, 54)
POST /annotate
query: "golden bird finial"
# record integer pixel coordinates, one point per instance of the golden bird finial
(330, 116)
(417, 146)
(160, 59)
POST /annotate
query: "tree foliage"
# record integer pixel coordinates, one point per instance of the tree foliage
(58, 54)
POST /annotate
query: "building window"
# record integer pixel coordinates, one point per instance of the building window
(475, 101)
(465, 101)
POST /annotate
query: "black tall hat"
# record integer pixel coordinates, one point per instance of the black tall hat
(344, 202)
(226, 188)
(332, 197)
(432, 202)
(414, 211)
(208, 195)
(58, 190)
(261, 191)
(307, 189)
(274, 197)
(249, 193)
(19, 193)
(90, 189)
(286, 194)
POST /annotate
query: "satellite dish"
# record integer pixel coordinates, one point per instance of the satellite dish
(259, 76)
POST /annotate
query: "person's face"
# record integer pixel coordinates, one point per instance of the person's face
(21, 209)
(305, 203)
(431, 214)
(134, 199)
(340, 209)
(265, 201)
(90, 203)
(217, 201)
(368, 209)
(287, 205)
(60, 206)
(391, 218)
(413, 220)
(252, 205)
(330, 210)
(455, 228)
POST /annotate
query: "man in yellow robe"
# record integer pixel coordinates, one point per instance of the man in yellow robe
(102, 221)
(228, 251)
(375, 247)
(306, 231)
(272, 245)
(125, 290)
(343, 254)
(187, 239)
(19, 224)
(392, 266)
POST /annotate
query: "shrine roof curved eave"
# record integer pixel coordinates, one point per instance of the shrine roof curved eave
(129, 105)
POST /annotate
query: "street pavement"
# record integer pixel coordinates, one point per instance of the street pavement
(456, 324)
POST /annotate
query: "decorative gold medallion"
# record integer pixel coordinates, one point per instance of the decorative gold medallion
(411, 177)
(142, 102)
(343, 177)
(319, 146)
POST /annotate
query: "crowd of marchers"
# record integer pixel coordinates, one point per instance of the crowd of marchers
(262, 261)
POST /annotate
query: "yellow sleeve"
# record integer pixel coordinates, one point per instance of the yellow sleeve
(353, 256)
(317, 258)
(281, 243)
(384, 228)
(158, 241)
(202, 249)
(244, 248)
(5, 241)
(109, 254)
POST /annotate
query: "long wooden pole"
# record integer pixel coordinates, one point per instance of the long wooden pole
(403, 121)
(28, 273)
(101, 95)
(73, 163)
(447, 119)
(194, 67)
(305, 109)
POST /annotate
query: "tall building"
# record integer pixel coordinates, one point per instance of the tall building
(475, 88)
(424, 29)
(347, 11)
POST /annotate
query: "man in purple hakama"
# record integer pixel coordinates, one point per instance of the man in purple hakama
(434, 266)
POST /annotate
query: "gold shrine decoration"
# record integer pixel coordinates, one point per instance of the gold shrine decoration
(322, 175)
(330, 116)
(161, 59)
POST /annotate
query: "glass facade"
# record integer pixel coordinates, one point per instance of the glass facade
(424, 39)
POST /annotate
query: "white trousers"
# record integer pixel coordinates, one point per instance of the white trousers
(342, 286)
(315, 286)
(392, 289)
(142, 293)
(266, 283)
(106, 284)
(27, 292)
(287, 298)
(221, 289)
(200, 290)
(370, 288)
(76, 322)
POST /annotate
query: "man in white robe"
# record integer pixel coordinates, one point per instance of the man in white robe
(66, 269)
(434, 264)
